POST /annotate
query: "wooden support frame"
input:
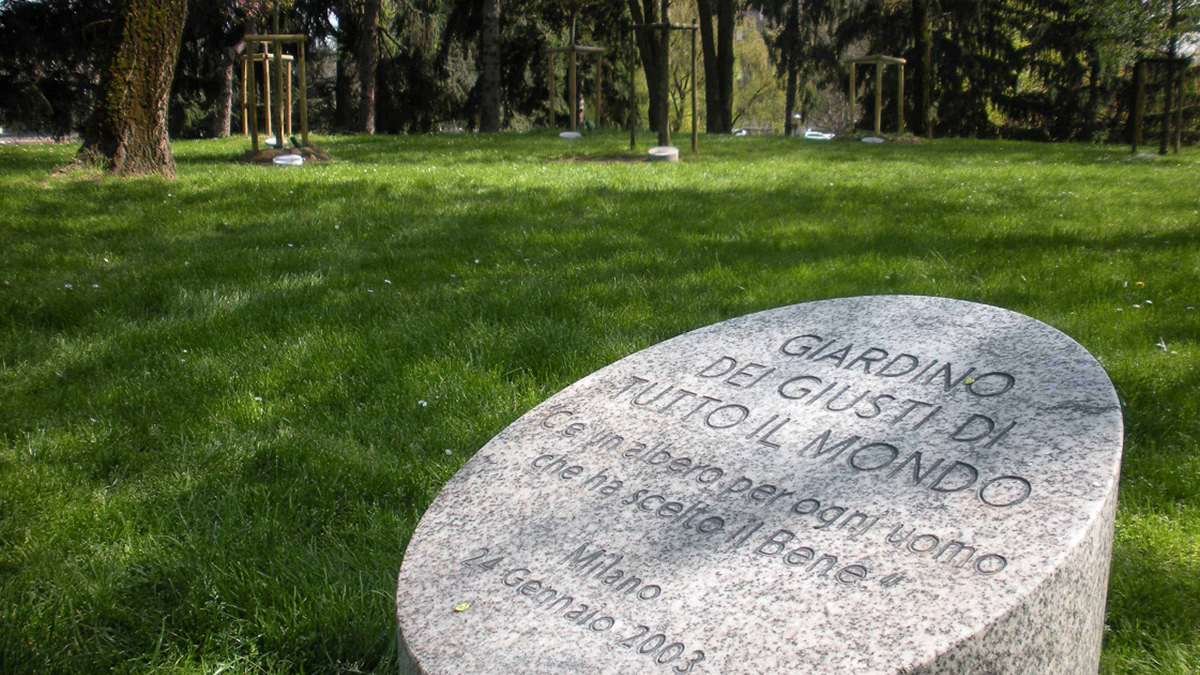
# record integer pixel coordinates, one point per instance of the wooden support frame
(274, 54)
(268, 109)
(880, 61)
(264, 60)
(1171, 77)
(245, 120)
(573, 49)
(664, 132)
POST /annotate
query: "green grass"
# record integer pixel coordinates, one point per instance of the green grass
(226, 400)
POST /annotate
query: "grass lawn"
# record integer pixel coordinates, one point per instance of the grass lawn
(226, 400)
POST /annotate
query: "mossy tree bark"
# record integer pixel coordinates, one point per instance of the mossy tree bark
(128, 129)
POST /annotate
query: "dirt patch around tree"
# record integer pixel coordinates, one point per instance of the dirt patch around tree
(267, 156)
(907, 139)
(604, 159)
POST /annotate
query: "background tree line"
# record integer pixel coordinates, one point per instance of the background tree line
(1041, 69)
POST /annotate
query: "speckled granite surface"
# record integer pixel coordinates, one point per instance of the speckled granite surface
(888, 484)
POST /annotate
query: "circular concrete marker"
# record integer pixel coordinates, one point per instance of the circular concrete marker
(570, 135)
(664, 153)
(872, 140)
(868, 486)
(288, 160)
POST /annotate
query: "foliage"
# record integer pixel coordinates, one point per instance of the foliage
(812, 46)
(758, 93)
(262, 11)
(48, 61)
(759, 97)
(1049, 70)
(1053, 70)
(212, 29)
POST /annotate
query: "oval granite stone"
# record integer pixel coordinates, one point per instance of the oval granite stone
(887, 484)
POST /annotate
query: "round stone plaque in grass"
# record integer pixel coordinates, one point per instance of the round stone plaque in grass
(873, 485)
(288, 160)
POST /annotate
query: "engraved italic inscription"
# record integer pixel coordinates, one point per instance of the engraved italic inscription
(876, 485)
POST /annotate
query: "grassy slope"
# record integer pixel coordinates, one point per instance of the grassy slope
(213, 445)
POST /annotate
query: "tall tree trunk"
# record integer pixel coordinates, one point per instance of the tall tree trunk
(648, 47)
(343, 90)
(791, 52)
(922, 76)
(1091, 124)
(718, 63)
(223, 119)
(1169, 94)
(712, 83)
(726, 20)
(368, 65)
(128, 129)
(489, 77)
(664, 77)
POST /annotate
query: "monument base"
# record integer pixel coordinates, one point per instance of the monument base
(664, 153)
(1071, 601)
(880, 485)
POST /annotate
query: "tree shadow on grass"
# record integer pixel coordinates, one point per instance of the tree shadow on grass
(476, 299)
